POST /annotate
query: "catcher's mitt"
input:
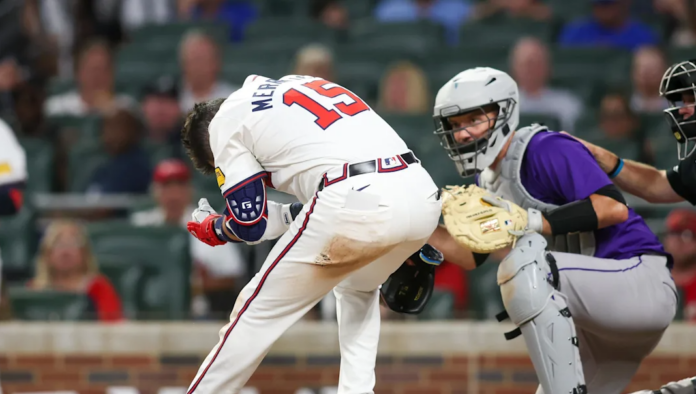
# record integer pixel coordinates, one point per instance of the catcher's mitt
(480, 221)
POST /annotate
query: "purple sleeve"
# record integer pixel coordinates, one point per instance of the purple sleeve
(559, 170)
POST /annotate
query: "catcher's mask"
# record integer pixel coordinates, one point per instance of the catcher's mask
(410, 287)
(468, 154)
(678, 86)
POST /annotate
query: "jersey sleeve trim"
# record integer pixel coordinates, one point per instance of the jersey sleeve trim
(244, 182)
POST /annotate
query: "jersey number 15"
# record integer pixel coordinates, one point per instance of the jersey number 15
(325, 117)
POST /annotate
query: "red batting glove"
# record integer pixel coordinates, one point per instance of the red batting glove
(205, 231)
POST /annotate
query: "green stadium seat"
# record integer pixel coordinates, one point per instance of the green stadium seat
(415, 38)
(549, 121)
(417, 132)
(138, 64)
(155, 36)
(569, 10)
(439, 307)
(83, 160)
(18, 241)
(74, 129)
(279, 29)
(35, 305)
(163, 261)
(59, 86)
(607, 65)
(128, 279)
(678, 54)
(40, 159)
(237, 66)
(484, 293)
(503, 33)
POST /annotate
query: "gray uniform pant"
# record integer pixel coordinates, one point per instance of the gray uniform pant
(620, 308)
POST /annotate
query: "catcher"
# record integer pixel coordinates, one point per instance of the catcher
(598, 303)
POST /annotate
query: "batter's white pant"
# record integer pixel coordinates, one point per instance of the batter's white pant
(328, 246)
(620, 308)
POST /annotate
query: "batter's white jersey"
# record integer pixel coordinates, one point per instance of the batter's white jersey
(375, 208)
(295, 129)
(13, 161)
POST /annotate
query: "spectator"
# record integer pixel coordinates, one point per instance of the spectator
(127, 169)
(66, 263)
(680, 241)
(236, 14)
(649, 64)
(517, 9)
(610, 25)
(680, 21)
(619, 123)
(330, 13)
(315, 60)
(200, 62)
(404, 89)
(95, 85)
(28, 99)
(448, 13)
(531, 68)
(218, 270)
(162, 114)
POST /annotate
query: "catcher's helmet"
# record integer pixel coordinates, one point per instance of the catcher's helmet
(678, 86)
(468, 91)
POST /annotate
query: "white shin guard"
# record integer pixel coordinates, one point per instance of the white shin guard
(540, 312)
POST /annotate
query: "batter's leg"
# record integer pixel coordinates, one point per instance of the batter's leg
(288, 285)
(542, 315)
(357, 309)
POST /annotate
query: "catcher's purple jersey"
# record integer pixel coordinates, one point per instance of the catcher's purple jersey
(557, 169)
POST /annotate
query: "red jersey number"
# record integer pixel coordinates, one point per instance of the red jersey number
(325, 117)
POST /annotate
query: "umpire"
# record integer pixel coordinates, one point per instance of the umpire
(678, 86)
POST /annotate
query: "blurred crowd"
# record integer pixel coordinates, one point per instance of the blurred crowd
(59, 62)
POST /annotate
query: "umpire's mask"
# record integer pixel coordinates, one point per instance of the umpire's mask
(678, 86)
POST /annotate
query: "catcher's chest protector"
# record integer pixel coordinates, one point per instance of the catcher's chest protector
(506, 183)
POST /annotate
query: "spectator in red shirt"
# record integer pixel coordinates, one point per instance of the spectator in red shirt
(680, 241)
(66, 263)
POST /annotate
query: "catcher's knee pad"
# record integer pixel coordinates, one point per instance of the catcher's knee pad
(527, 277)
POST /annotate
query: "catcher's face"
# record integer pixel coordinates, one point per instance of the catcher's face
(472, 125)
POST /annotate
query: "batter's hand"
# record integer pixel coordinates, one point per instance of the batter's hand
(203, 224)
(480, 221)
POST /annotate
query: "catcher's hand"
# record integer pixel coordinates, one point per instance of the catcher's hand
(480, 221)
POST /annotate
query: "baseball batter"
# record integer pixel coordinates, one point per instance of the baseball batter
(594, 307)
(368, 206)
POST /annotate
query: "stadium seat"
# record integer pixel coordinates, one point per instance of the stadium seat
(239, 63)
(18, 241)
(59, 86)
(678, 54)
(549, 121)
(569, 10)
(128, 279)
(163, 261)
(83, 160)
(74, 129)
(585, 64)
(40, 159)
(503, 33)
(35, 305)
(265, 31)
(139, 64)
(415, 38)
(169, 34)
(439, 307)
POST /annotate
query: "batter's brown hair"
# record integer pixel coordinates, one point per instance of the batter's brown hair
(195, 136)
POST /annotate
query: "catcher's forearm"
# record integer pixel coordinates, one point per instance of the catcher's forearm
(451, 250)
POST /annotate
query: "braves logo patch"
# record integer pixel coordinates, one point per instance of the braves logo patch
(220, 176)
(490, 226)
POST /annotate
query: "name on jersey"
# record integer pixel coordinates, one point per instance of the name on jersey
(266, 90)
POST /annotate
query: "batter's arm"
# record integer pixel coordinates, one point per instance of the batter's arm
(451, 250)
(639, 179)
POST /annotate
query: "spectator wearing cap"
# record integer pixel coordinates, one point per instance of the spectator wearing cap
(680, 241)
(95, 85)
(127, 168)
(217, 270)
(610, 25)
(162, 114)
(200, 62)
